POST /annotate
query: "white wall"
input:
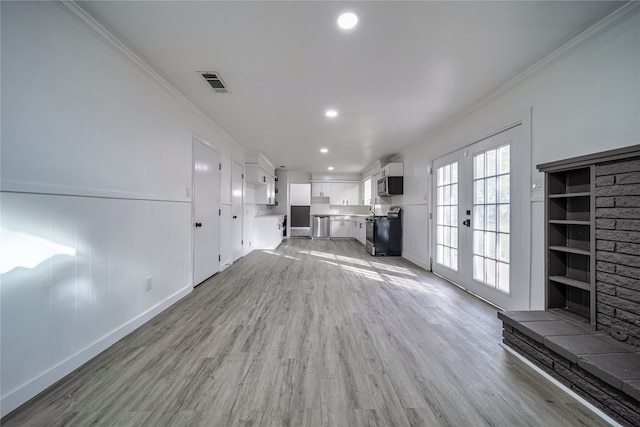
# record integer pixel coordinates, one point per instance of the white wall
(585, 101)
(96, 167)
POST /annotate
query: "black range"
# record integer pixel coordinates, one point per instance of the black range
(384, 234)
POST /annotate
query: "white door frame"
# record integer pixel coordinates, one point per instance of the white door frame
(520, 261)
(237, 211)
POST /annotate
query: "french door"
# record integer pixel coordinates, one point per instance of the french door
(478, 235)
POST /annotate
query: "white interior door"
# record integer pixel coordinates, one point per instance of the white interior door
(237, 197)
(206, 217)
(481, 240)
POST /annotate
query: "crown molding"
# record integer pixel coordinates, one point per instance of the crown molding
(628, 10)
(612, 20)
(82, 17)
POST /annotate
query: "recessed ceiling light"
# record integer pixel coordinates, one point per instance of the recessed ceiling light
(331, 113)
(330, 168)
(347, 20)
(324, 150)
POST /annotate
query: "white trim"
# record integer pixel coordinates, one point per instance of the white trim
(73, 191)
(22, 394)
(78, 14)
(416, 261)
(562, 387)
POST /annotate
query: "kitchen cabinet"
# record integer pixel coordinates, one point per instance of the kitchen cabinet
(366, 191)
(375, 199)
(360, 233)
(392, 169)
(264, 184)
(342, 227)
(337, 193)
(345, 193)
(255, 175)
(271, 190)
(321, 189)
(266, 194)
(352, 193)
(267, 231)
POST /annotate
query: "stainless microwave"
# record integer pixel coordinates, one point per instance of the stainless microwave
(390, 186)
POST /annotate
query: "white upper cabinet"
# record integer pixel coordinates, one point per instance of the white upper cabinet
(345, 193)
(255, 175)
(352, 193)
(375, 199)
(392, 169)
(321, 189)
(264, 183)
(339, 193)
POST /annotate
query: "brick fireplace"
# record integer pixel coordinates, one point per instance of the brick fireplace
(618, 250)
(588, 338)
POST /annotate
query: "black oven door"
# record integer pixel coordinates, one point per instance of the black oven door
(370, 245)
(370, 229)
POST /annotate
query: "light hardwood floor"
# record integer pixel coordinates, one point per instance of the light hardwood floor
(316, 333)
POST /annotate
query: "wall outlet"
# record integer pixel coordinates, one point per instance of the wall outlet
(148, 283)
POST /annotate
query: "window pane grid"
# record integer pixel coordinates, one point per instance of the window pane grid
(491, 217)
(447, 216)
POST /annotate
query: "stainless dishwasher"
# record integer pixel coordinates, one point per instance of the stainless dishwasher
(321, 227)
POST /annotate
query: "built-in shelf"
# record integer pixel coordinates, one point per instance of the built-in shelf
(568, 222)
(570, 254)
(571, 282)
(566, 195)
(570, 250)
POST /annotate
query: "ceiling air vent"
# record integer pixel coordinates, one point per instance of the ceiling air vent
(214, 80)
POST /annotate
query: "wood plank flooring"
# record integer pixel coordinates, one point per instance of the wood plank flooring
(315, 333)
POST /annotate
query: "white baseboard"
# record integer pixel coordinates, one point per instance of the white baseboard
(563, 387)
(416, 261)
(22, 394)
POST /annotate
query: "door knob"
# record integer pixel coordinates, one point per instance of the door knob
(467, 222)
(198, 224)
(235, 217)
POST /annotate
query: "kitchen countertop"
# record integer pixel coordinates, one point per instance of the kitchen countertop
(342, 214)
(269, 216)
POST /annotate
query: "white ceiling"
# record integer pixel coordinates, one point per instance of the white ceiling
(405, 70)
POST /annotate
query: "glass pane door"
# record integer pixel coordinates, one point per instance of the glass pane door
(447, 216)
(491, 217)
(479, 219)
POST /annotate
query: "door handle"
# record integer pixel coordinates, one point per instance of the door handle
(235, 217)
(198, 224)
(467, 222)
